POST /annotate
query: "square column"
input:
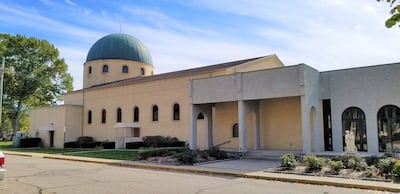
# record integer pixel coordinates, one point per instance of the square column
(242, 110)
(305, 125)
(193, 112)
(209, 133)
(256, 126)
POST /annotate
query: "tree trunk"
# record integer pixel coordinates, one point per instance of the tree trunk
(16, 117)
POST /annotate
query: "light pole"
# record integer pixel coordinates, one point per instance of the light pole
(2, 69)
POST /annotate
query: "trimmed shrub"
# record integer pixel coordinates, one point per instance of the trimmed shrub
(108, 145)
(152, 141)
(313, 162)
(187, 157)
(218, 154)
(84, 139)
(288, 161)
(357, 163)
(159, 152)
(30, 142)
(335, 165)
(71, 144)
(386, 165)
(88, 145)
(160, 141)
(134, 145)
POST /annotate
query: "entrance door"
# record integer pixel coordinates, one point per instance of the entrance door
(51, 138)
(326, 106)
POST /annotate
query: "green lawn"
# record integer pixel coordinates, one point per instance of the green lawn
(84, 152)
(108, 154)
(5, 145)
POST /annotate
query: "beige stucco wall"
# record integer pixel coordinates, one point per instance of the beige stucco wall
(74, 98)
(114, 71)
(44, 119)
(281, 124)
(268, 62)
(161, 92)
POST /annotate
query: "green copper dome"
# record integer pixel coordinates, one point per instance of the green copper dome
(119, 46)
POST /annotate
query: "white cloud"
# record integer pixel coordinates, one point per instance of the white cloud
(324, 34)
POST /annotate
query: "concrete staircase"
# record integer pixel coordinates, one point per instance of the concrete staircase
(268, 154)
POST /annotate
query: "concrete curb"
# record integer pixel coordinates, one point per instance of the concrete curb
(337, 182)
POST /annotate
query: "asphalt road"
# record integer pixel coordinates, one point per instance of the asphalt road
(37, 175)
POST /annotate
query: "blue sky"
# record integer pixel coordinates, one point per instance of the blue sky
(180, 34)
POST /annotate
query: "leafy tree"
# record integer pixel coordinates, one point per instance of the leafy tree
(39, 77)
(394, 11)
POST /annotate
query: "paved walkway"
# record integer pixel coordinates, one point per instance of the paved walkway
(245, 168)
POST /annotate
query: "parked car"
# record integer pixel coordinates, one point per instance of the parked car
(2, 170)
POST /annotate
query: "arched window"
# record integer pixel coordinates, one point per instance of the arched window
(89, 121)
(235, 130)
(124, 69)
(119, 115)
(200, 116)
(103, 116)
(176, 113)
(90, 69)
(136, 114)
(353, 119)
(105, 68)
(389, 128)
(142, 71)
(155, 113)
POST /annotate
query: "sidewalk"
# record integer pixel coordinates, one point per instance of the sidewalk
(244, 168)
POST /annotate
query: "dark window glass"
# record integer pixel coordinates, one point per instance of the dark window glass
(353, 120)
(200, 116)
(103, 116)
(105, 68)
(90, 69)
(136, 114)
(142, 71)
(124, 69)
(89, 117)
(235, 130)
(119, 115)
(176, 112)
(155, 113)
(389, 128)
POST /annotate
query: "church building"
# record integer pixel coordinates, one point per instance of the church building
(255, 104)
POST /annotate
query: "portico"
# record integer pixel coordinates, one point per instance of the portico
(255, 108)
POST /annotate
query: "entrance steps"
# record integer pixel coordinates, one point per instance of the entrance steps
(268, 154)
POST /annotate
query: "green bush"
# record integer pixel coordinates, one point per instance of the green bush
(159, 152)
(372, 160)
(357, 163)
(288, 161)
(160, 141)
(335, 165)
(370, 171)
(396, 168)
(187, 157)
(218, 154)
(386, 165)
(313, 163)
